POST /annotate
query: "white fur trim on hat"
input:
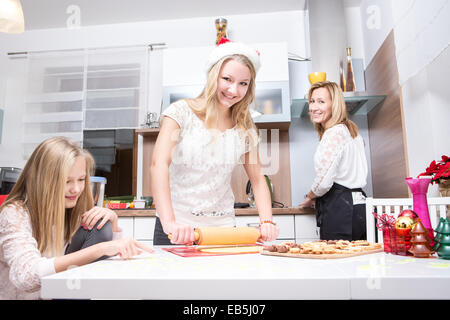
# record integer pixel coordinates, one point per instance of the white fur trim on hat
(230, 48)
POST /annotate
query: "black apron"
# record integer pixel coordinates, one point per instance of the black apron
(337, 216)
(159, 237)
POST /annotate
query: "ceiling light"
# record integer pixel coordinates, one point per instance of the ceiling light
(11, 16)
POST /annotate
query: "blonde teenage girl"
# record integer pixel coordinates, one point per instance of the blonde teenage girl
(49, 223)
(200, 142)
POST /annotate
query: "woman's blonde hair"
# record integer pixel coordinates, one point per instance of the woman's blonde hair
(40, 189)
(240, 112)
(338, 108)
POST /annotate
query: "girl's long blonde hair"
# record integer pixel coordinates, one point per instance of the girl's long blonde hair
(338, 108)
(240, 112)
(40, 189)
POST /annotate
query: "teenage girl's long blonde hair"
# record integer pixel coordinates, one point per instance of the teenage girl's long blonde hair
(40, 189)
(338, 108)
(240, 112)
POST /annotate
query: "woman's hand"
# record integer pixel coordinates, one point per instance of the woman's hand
(125, 248)
(269, 232)
(308, 203)
(180, 233)
(91, 217)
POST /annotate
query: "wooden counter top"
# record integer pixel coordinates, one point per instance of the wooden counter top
(238, 212)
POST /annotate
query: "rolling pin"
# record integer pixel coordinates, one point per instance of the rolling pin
(225, 235)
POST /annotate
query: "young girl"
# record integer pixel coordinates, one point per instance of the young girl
(340, 164)
(40, 231)
(200, 142)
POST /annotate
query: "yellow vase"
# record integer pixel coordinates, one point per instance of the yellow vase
(317, 77)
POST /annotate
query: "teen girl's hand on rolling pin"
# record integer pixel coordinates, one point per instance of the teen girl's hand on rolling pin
(180, 233)
(90, 218)
(269, 231)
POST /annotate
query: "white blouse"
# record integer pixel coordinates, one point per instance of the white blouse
(21, 264)
(200, 173)
(339, 158)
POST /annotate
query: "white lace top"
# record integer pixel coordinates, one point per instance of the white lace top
(201, 168)
(21, 264)
(339, 158)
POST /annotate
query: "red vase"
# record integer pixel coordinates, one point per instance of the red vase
(419, 188)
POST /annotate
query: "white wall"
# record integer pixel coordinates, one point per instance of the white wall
(421, 33)
(376, 23)
(426, 99)
(422, 39)
(355, 39)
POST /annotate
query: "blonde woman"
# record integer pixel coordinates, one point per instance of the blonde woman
(200, 142)
(340, 164)
(49, 223)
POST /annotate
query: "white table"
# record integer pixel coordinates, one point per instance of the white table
(163, 275)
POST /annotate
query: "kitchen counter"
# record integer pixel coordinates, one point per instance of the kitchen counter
(238, 212)
(163, 275)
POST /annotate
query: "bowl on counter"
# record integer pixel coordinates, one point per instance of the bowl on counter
(139, 204)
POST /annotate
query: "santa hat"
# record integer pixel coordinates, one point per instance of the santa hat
(226, 48)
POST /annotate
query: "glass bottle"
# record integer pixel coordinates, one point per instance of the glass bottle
(350, 83)
(221, 27)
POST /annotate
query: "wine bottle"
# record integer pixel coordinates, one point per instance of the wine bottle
(350, 85)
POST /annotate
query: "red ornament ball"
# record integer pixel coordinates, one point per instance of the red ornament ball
(408, 213)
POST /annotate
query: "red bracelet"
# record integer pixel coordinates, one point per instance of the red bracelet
(267, 221)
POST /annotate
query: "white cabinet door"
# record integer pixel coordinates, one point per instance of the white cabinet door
(127, 226)
(284, 222)
(144, 228)
(187, 66)
(305, 228)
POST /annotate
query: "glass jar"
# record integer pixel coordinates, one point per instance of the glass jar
(221, 27)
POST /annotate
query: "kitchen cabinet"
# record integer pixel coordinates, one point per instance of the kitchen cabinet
(306, 228)
(271, 103)
(73, 91)
(187, 66)
(144, 228)
(284, 222)
(127, 226)
(139, 228)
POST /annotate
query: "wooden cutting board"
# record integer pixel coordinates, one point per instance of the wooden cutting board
(320, 256)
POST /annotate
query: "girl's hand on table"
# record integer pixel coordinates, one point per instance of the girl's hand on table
(180, 233)
(269, 231)
(91, 217)
(125, 248)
